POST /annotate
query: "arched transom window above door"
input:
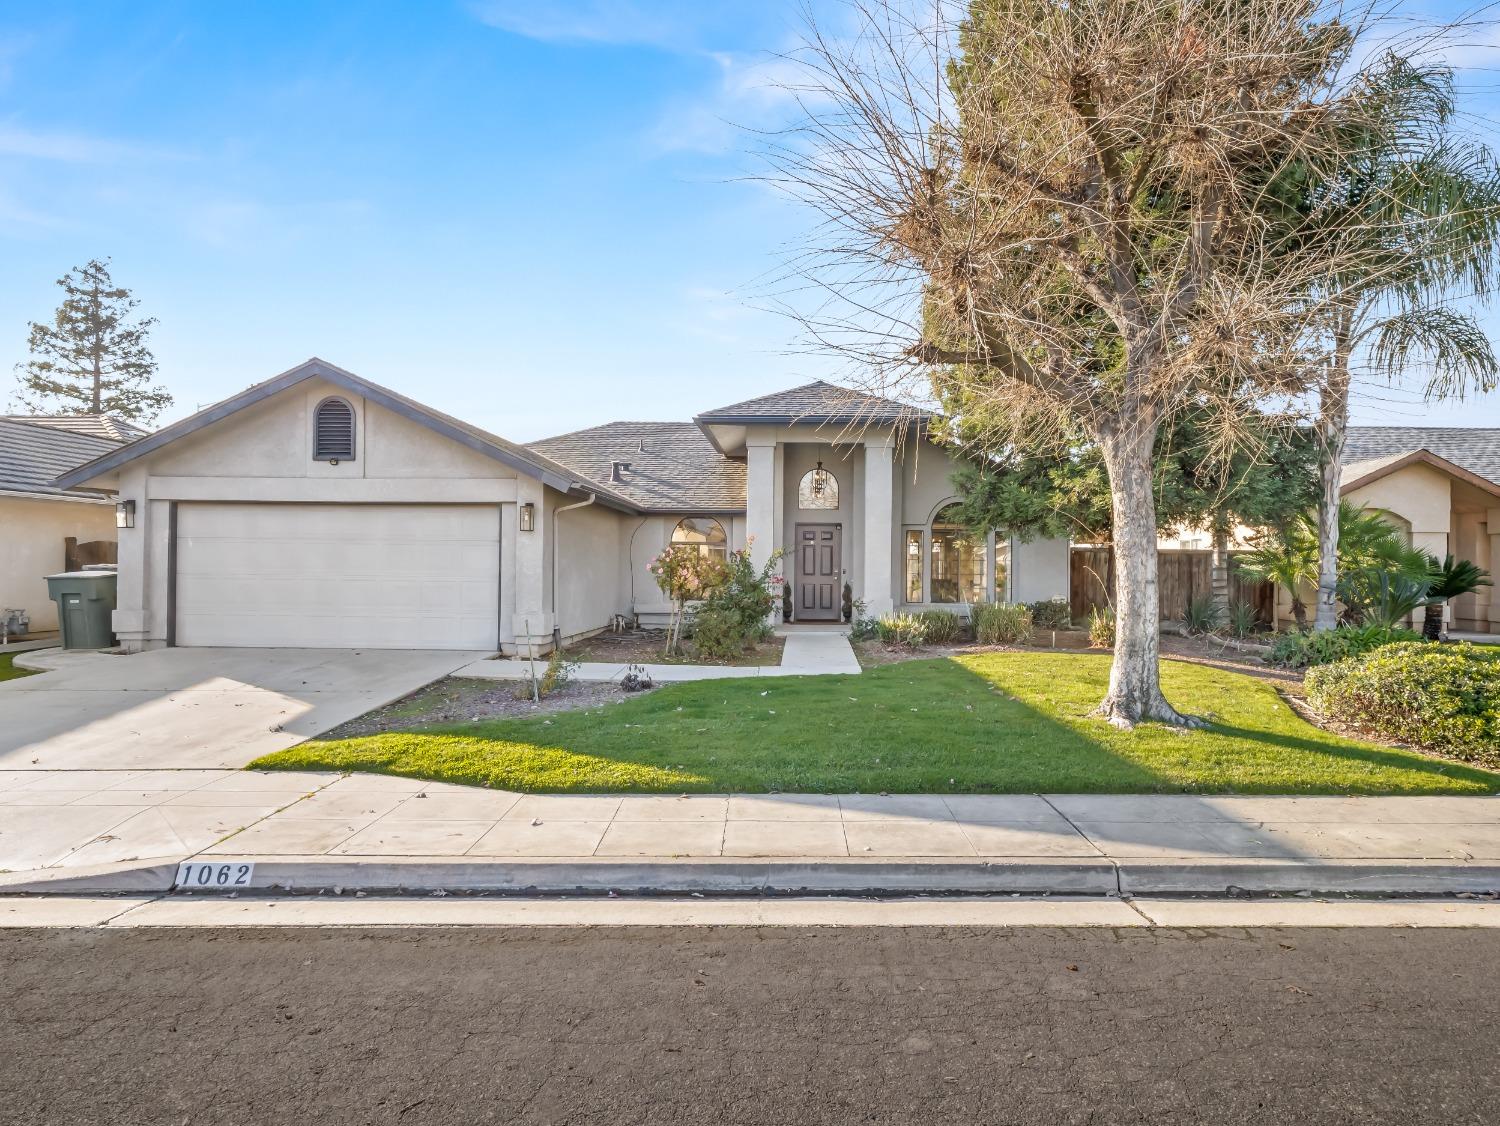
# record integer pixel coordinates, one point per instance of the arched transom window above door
(703, 532)
(819, 489)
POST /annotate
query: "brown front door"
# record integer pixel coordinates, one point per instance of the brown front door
(819, 593)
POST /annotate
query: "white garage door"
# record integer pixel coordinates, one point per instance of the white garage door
(328, 576)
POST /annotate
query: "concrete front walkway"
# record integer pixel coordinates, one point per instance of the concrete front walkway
(383, 832)
(807, 653)
(191, 708)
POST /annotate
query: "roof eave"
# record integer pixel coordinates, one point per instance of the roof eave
(1423, 457)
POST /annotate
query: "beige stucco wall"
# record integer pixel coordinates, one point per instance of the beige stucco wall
(31, 548)
(1422, 496)
(643, 538)
(264, 454)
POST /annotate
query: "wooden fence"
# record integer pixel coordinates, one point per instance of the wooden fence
(77, 555)
(1181, 577)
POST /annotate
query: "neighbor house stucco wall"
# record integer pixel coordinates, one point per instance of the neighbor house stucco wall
(31, 548)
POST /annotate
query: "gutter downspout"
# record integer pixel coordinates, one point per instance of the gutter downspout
(557, 559)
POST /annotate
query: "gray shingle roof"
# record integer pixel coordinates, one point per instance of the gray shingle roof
(816, 402)
(34, 454)
(673, 466)
(1474, 448)
(99, 425)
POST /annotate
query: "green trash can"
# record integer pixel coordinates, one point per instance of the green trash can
(85, 600)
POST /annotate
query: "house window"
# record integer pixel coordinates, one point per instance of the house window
(333, 431)
(818, 489)
(914, 565)
(1002, 568)
(703, 532)
(957, 570)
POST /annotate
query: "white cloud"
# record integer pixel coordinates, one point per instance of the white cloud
(73, 148)
(659, 23)
(753, 93)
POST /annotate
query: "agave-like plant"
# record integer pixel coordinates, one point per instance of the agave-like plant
(1449, 579)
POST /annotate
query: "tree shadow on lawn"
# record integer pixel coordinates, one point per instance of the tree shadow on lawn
(986, 723)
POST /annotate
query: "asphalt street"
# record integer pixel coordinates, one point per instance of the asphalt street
(748, 1026)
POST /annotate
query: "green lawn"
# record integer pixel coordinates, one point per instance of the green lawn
(8, 670)
(986, 723)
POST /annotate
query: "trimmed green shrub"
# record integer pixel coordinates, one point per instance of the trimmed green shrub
(941, 627)
(1054, 613)
(1307, 650)
(1002, 623)
(1442, 697)
(908, 630)
(1102, 627)
(734, 615)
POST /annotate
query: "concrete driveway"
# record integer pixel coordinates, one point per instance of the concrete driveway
(195, 708)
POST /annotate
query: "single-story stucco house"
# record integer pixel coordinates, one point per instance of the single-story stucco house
(318, 509)
(37, 517)
(1441, 486)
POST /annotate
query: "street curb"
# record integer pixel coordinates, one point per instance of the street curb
(791, 877)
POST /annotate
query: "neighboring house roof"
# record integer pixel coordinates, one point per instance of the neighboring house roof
(99, 425)
(673, 466)
(1472, 448)
(1357, 474)
(34, 453)
(481, 441)
(815, 402)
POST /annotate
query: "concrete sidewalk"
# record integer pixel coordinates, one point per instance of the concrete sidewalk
(84, 831)
(807, 653)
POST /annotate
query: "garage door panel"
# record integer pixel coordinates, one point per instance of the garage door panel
(338, 576)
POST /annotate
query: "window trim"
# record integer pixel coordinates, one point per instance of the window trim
(703, 547)
(318, 454)
(836, 491)
(991, 540)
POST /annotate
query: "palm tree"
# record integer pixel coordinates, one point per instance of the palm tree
(1369, 547)
(1408, 222)
(1450, 579)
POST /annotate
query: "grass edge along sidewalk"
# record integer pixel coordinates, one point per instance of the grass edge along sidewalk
(1002, 722)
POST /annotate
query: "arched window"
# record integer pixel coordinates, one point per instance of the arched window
(957, 569)
(703, 532)
(333, 431)
(818, 489)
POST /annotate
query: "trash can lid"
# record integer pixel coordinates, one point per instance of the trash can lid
(84, 575)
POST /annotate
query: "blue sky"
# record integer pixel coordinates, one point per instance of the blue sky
(533, 215)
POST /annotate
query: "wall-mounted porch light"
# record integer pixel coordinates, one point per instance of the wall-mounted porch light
(125, 514)
(528, 517)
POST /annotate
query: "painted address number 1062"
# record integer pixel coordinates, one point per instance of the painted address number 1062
(195, 874)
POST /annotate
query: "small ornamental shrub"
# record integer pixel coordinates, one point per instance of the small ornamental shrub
(1202, 615)
(1442, 697)
(1242, 620)
(734, 615)
(1053, 613)
(1307, 650)
(1002, 623)
(1102, 627)
(864, 629)
(906, 630)
(941, 627)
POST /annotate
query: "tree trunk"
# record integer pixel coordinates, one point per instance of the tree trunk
(1135, 677)
(1219, 573)
(1432, 622)
(1333, 428)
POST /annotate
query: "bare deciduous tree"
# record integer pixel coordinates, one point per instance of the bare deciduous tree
(1072, 215)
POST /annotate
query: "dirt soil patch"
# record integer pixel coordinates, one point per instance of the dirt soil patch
(646, 647)
(458, 699)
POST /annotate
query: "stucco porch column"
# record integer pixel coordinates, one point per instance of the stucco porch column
(1492, 526)
(762, 486)
(878, 546)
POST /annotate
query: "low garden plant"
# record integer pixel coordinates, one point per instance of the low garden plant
(1202, 615)
(1002, 623)
(907, 631)
(941, 627)
(1242, 621)
(1307, 650)
(1442, 697)
(1052, 613)
(734, 614)
(1102, 627)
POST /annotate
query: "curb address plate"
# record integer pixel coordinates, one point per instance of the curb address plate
(193, 875)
